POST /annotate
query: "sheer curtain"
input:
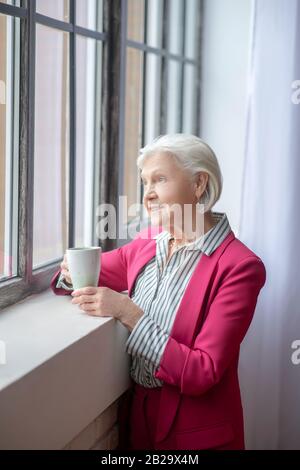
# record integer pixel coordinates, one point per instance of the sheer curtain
(270, 225)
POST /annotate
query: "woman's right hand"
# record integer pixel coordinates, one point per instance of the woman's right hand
(64, 268)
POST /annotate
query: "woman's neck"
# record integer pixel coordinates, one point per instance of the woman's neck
(182, 237)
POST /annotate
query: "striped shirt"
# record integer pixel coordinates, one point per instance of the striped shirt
(158, 291)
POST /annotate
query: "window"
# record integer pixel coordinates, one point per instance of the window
(51, 144)
(162, 45)
(9, 131)
(83, 84)
(51, 127)
(88, 142)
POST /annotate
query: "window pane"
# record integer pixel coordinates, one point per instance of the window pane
(154, 23)
(174, 96)
(89, 14)
(136, 20)
(58, 9)
(15, 3)
(152, 97)
(133, 123)
(9, 129)
(88, 125)
(51, 145)
(190, 108)
(192, 27)
(175, 30)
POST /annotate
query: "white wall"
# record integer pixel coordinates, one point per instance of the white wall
(226, 36)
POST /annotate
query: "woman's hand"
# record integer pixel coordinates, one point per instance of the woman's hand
(64, 269)
(105, 302)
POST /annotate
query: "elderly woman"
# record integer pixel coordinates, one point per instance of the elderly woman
(192, 292)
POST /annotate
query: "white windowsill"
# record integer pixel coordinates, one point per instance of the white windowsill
(63, 369)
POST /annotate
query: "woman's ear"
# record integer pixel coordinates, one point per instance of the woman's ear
(201, 183)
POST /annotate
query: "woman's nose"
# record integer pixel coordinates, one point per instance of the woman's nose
(149, 195)
(148, 191)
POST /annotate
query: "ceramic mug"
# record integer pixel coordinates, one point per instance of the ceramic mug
(84, 266)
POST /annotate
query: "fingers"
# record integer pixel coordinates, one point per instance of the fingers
(85, 290)
(90, 310)
(64, 269)
(66, 276)
(64, 263)
(88, 307)
(88, 299)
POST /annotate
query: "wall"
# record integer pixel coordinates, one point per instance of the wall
(101, 434)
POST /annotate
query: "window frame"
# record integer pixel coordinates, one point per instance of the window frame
(29, 281)
(165, 55)
(112, 116)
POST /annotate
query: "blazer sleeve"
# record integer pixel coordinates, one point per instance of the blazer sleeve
(195, 370)
(113, 272)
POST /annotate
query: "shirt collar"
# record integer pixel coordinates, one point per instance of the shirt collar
(208, 242)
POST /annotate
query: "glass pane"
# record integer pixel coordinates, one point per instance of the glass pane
(152, 97)
(133, 123)
(174, 96)
(15, 3)
(51, 145)
(136, 20)
(58, 9)
(154, 23)
(89, 14)
(192, 27)
(175, 27)
(9, 137)
(88, 125)
(190, 97)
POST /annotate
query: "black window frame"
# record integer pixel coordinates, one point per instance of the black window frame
(111, 164)
(29, 281)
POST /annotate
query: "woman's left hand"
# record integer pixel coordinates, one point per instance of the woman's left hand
(105, 302)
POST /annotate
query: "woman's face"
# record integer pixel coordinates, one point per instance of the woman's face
(166, 183)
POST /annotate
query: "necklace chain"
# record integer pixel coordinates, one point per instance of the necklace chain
(173, 242)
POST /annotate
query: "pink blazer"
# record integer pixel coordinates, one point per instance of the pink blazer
(200, 400)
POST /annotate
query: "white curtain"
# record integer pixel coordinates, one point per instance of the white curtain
(270, 225)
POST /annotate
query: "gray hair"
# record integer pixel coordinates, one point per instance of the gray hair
(194, 155)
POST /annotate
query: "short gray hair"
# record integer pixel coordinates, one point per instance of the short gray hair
(194, 155)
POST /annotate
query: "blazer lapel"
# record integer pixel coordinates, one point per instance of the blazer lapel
(194, 298)
(187, 321)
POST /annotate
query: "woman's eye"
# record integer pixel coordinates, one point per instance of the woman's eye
(159, 179)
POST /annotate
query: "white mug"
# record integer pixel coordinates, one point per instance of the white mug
(84, 266)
